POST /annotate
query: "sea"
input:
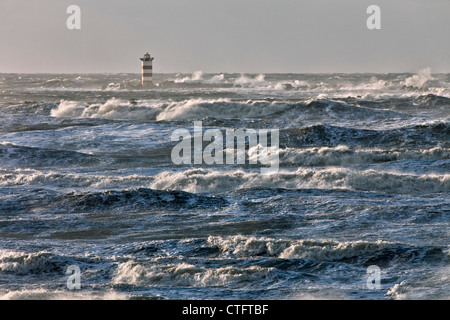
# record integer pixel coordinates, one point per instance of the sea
(92, 205)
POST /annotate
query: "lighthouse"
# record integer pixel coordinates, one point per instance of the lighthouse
(147, 70)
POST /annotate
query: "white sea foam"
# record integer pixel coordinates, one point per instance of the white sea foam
(114, 109)
(196, 76)
(323, 250)
(419, 80)
(244, 80)
(185, 274)
(205, 180)
(28, 177)
(200, 180)
(168, 110)
(344, 155)
(430, 284)
(390, 180)
(220, 108)
(46, 294)
(218, 78)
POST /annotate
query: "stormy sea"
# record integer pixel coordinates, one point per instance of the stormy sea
(87, 179)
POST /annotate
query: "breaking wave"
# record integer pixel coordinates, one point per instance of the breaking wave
(343, 155)
(185, 274)
(354, 252)
(192, 109)
(267, 258)
(419, 80)
(114, 109)
(23, 264)
(200, 180)
(209, 181)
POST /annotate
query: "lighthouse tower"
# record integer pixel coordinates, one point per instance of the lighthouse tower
(147, 70)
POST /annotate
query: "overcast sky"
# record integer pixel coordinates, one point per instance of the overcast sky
(260, 36)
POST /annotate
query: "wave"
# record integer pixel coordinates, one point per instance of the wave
(186, 274)
(47, 294)
(135, 199)
(323, 109)
(24, 123)
(193, 109)
(196, 76)
(354, 252)
(33, 177)
(223, 108)
(25, 157)
(431, 104)
(431, 100)
(23, 264)
(200, 181)
(256, 259)
(427, 134)
(343, 155)
(114, 109)
(430, 284)
(418, 80)
(210, 181)
(320, 86)
(312, 85)
(182, 110)
(244, 80)
(30, 107)
(110, 82)
(199, 79)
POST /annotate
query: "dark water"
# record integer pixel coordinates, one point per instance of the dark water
(87, 179)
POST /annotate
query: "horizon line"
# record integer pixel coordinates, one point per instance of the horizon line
(204, 72)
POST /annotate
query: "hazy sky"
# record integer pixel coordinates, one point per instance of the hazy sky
(225, 36)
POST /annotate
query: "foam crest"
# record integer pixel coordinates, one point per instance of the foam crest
(220, 108)
(358, 252)
(200, 180)
(319, 250)
(114, 109)
(32, 263)
(196, 76)
(345, 155)
(419, 80)
(46, 294)
(218, 78)
(185, 274)
(245, 81)
(31, 177)
(225, 108)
